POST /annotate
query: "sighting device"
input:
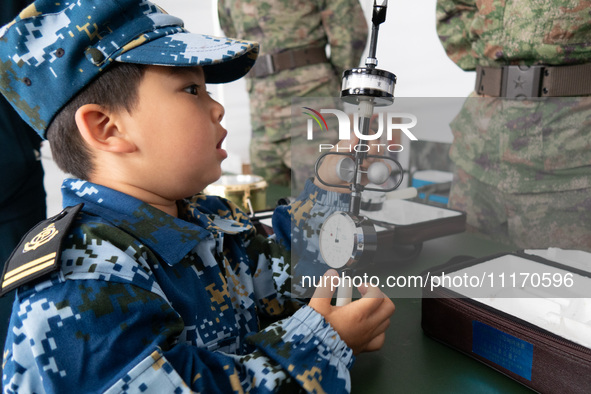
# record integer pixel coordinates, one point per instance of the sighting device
(347, 238)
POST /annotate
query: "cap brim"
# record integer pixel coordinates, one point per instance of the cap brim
(223, 59)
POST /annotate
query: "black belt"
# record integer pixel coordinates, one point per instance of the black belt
(534, 81)
(287, 60)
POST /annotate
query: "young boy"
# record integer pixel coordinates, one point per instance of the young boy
(136, 287)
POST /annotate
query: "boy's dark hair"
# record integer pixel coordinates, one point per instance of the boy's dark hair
(114, 89)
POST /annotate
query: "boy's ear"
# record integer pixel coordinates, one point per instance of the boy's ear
(100, 129)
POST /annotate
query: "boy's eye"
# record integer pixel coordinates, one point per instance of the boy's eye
(193, 89)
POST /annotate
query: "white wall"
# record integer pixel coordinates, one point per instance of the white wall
(408, 46)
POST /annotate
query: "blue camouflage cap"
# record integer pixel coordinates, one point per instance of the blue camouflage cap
(53, 49)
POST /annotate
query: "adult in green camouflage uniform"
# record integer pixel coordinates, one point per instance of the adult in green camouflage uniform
(524, 166)
(279, 26)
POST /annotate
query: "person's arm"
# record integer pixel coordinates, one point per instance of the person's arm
(454, 27)
(82, 336)
(358, 327)
(346, 29)
(103, 324)
(297, 226)
(224, 15)
(96, 336)
(361, 325)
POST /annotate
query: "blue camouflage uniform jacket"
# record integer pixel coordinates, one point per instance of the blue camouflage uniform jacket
(145, 302)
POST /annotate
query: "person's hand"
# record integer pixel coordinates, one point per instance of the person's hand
(362, 323)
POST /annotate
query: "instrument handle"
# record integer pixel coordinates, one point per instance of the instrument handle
(344, 294)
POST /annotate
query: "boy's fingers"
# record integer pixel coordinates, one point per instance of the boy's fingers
(378, 334)
(382, 327)
(377, 308)
(371, 292)
(376, 343)
(372, 299)
(363, 289)
(327, 291)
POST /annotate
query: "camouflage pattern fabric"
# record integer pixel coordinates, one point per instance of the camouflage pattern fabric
(526, 220)
(501, 32)
(273, 159)
(145, 302)
(525, 146)
(306, 219)
(516, 158)
(295, 153)
(280, 25)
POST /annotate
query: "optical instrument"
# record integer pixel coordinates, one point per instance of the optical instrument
(347, 238)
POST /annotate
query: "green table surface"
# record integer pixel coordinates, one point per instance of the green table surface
(410, 361)
(274, 193)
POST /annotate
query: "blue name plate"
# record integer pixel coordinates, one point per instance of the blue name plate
(503, 349)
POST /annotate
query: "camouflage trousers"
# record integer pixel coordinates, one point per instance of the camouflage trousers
(277, 121)
(271, 159)
(527, 220)
(287, 162)
(280, 151)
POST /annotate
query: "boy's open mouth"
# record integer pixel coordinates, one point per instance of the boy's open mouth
(219, 145)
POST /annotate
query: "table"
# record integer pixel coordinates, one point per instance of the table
(411, 362)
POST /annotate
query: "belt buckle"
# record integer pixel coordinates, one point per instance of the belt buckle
(269, 65)
(520, 82)
(263, 67)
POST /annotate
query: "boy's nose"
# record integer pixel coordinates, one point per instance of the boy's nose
(218, 112)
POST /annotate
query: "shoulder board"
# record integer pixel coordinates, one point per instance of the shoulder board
(39, 251)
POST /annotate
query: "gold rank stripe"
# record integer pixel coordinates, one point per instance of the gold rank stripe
(28, 269)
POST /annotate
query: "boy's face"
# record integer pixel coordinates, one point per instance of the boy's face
(176, 128)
